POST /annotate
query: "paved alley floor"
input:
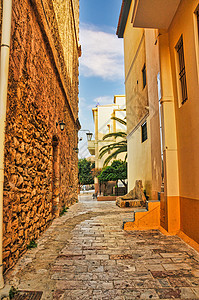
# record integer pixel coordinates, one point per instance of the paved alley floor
(85, 254)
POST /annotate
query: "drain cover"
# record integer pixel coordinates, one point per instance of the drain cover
(28, 295)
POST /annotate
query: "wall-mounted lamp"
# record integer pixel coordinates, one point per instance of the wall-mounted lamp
(76, 150)
(61, 124)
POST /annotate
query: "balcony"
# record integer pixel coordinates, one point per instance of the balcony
(154, 13)
(91, 147)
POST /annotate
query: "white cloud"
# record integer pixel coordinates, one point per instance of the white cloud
(103, 100)
(102, 54)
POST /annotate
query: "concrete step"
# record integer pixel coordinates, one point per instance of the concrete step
(145, 218)
(129, 220)
(140, 210)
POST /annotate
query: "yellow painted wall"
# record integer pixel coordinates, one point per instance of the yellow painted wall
(180, 121)
(139, 154)
(134, 53)
(169, 217)
(187, 116)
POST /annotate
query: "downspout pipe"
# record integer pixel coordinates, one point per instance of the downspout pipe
(4, 67)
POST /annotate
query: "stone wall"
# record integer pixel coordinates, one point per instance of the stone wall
(63, 21)
(40, 93)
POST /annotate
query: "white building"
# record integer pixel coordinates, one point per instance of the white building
(102, 115)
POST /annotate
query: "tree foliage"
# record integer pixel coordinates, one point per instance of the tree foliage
(116, 147)
(85, 171)
(96, 172)
(116, 171)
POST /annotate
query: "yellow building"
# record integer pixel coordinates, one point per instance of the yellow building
(177, 50)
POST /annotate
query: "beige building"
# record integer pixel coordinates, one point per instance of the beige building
(176, 48)
(142, 110)
(102, 115)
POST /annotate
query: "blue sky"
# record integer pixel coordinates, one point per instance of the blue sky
(101, 64)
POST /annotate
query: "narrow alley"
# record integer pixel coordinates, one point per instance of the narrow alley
(85, 254)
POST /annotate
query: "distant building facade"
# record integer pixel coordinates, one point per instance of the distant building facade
(40, 174)
(102, 115)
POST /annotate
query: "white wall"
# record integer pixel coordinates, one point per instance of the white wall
(106, 125)
(139, 160)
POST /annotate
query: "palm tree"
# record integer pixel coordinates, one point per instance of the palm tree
(117, 147)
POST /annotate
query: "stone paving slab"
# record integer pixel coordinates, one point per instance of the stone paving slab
(85, 254)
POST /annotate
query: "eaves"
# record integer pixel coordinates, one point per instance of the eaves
(124, 12)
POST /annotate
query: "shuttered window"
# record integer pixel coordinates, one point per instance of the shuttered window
(181, 66)
(144, 76)
(197, 15)
(144, 132)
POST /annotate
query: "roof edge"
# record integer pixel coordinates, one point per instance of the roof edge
(124, 12)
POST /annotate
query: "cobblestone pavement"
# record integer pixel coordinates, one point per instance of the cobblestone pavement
(85, 254)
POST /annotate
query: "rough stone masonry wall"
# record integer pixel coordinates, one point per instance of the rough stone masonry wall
(63, 18)
(35, 102)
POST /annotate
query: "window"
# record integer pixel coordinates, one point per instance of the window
(144, 132)
(196, 34)
(181, 70)
(144, 76)
(197, 17)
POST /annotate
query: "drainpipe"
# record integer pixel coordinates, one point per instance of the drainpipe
(4, 65)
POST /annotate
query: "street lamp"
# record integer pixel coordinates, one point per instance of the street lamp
(88, 133)
(89, 136)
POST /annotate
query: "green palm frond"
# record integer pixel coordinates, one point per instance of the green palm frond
(125, 155)
(124, 149)
(121, 134)
(114, 155)
(119, 120)
(122, 146)
(113, 145)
